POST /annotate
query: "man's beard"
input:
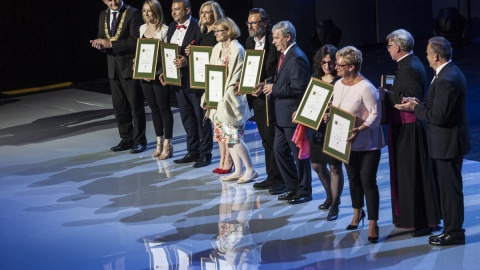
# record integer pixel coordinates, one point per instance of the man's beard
(260, 32)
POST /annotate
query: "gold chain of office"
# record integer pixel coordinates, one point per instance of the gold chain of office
(119, 28)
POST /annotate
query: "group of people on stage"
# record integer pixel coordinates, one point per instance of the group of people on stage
(427, 131)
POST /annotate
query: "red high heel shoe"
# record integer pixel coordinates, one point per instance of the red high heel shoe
(216, 170)
(221, 171)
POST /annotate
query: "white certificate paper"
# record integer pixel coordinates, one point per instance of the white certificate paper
(200, 59)
(146, 58)
(314, 103)
(215, 86)
(171, 70)
(251, 71)
(339, 133)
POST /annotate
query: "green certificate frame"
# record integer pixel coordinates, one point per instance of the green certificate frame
(337, 133)
(146, 56)
(198, 58)
(171, 74)
(251, 71)
(314, 103)
(216, 79)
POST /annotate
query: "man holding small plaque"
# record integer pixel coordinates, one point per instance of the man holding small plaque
(260, 38)
(117, 37)
(289, 84)
(184, 31)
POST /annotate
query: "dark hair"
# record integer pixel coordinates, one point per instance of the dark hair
(263, 14)
(441, 47)
(317, 60)
(186, 3)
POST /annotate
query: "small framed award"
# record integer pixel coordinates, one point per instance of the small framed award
(314, 103)
(337, 133)
(251, 71)
(216, 77)
(198, 58)
(171, 74)
(146, 56)
(386, 81)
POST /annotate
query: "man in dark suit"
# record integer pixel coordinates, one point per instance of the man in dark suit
(414, 196)
(289, 84)
(260, 38)
(184, 31)
(117, 37)
(448, 136)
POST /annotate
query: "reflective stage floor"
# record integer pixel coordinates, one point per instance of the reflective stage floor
(68, 202)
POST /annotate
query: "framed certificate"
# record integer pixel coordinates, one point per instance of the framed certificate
(146, 56)
(169, 53)
(386, 81)
(314, 103)
(336, 135)
(216, 77)
(198, 58)
(251, 71)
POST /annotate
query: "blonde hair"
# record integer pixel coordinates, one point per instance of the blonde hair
(217, 13)
(352, 56)
(157, 12)
(233, 31)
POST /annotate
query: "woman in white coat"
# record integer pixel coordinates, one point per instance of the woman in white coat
(232, 111)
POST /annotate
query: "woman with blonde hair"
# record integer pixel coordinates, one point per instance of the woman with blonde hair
(232, 111)
(156, 95)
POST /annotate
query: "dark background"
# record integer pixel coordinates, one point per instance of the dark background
(47, 42)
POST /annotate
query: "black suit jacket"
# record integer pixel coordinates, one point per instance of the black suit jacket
(410, 81)
(289, 85)
(193, 34)
(446, 114)
(120, 56)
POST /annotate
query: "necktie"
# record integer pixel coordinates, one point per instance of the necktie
(179, 26)
(280, 61)
(113, 27)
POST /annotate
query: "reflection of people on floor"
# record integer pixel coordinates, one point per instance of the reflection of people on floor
(164, 166)
(233, 244)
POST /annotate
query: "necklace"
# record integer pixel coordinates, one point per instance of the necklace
(342, 96)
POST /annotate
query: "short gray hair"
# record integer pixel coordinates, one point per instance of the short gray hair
(285, 28)
(352, 56)
(402, 38)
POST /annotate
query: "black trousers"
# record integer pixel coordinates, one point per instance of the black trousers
(197, 127)
(128, 104)
(267, 133)
(296, 173)
(158, 99)
(362, 178)
(448, 173)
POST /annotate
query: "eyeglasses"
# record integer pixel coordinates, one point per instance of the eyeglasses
(252, 23)
(389, 45)
(327, 63)
(219, 31)
(337, 65)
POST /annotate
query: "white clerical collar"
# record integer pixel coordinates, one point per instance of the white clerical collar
(404, 56)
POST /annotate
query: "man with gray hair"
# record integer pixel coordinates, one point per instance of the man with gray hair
(413, 191)
(289, 84)
(445, 112)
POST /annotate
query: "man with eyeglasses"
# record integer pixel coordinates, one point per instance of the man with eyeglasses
(184, 31)
(260, 38)
(414, 196)
(289, 84)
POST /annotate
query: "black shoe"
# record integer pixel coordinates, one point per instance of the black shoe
(374, 239)
(325, 205)
(287, 196)
(333, 213)
(187, 158)
(203, 160)
(421, 232)
(299, 199)
(449, 239)
(360, 218)
(122, 146)
(265, 184)
(277, 189)
(138, 148)
(435, 236)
